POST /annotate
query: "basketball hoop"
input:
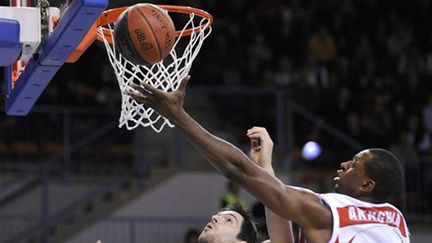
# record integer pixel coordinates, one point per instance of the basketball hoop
(166, 74)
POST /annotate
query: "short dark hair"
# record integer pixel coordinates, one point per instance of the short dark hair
(191, 235)
(385, 169)
(248, 231)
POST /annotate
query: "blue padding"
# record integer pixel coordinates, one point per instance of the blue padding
(71, 29)
(28, 88)
(7, 78)
(10, 46)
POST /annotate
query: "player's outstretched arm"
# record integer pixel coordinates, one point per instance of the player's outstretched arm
(280, 229)
(301, 207)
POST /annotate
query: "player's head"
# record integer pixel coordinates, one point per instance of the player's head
(374, 173)
(230, 224)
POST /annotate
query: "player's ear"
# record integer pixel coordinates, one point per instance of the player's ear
(368, 185)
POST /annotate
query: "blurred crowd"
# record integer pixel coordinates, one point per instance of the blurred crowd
(365, 66)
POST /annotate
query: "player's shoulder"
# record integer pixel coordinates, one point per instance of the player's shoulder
(342, 198)
(345, 199)
(302, 189)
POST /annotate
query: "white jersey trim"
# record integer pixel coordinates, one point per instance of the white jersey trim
(332, 205)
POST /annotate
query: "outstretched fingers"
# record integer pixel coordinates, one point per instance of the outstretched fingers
(139, 93)
(147, 94)
(138, 97)
(143, 88)
(183, 83)
(147, 88)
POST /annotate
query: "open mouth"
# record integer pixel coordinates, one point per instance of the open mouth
(336, 182)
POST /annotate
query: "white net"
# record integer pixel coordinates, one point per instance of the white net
(165, 75)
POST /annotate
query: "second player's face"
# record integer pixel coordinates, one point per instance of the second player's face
(224, 225)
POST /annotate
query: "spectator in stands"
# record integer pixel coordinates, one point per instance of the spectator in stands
(417, 135)
(322, 47)
(427, 115)
(408, 155)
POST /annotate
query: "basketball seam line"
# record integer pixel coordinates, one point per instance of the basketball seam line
(135, 55)
(154, 33)
(168, 19)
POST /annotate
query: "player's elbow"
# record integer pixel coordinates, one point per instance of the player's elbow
(236, 171)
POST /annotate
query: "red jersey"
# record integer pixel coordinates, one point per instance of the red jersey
(356, 221)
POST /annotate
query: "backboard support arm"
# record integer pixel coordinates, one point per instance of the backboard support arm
(51, 55)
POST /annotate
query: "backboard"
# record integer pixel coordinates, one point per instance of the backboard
(42, 35)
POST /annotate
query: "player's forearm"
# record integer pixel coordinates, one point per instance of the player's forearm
(222, 154)
(279, 229)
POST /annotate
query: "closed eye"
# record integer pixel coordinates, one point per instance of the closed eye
(345, 166)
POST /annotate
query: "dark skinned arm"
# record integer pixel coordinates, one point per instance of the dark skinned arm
(302, 207)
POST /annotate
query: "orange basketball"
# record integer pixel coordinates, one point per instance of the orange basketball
(144, 34)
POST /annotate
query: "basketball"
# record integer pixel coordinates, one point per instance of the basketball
(144, 34)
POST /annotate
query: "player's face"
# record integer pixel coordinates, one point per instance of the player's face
(223, 227)
(351, 174)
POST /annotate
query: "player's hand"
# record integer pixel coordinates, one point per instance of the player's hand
(261, 147)
(167, 104)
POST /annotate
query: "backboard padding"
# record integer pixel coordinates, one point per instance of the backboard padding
(51, 55)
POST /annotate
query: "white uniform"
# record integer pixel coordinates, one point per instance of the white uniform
(356, 221)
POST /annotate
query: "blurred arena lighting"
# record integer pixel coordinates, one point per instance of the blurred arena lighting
(311, 150)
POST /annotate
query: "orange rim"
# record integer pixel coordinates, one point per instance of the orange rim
(110, 16)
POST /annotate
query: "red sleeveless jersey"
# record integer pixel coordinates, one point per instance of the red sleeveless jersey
(356, 221)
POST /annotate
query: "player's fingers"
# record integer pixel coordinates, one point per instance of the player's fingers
(255, 143)
(184, 83)
(253, 135)
(253, 132)
(138, 97)
(260, 132)
(139, 88)
(256, 130)
(150, 89)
